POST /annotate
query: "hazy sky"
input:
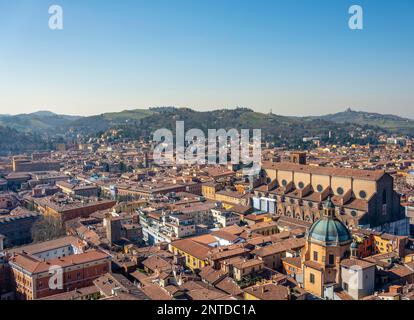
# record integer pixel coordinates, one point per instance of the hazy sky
(296, 57)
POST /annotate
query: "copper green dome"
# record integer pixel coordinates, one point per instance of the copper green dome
(329, 232)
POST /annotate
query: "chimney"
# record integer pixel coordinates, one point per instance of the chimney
(396, 289)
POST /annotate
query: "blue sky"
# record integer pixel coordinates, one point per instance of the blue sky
(296, 57)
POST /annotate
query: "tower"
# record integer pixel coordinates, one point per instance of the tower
(328, 243)
(298, 157)
(354, 250)
(145, 164)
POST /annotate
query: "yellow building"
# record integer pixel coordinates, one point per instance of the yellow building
(247, 267)
(328, 243)
(264, 228)
(195, 253)
(208, 190)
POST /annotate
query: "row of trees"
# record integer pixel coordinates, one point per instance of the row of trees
(47, 228)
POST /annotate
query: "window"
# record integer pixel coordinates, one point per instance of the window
(312, 278)
(315, 256)
(340, 191)
(345, 286)
(331, 259)
(353, 213)
(301, 185)
(362, 194)
(284, 183)
(319, 188)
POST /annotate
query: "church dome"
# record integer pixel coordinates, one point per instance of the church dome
(329, 232)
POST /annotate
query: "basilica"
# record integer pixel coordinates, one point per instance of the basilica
(362, 198)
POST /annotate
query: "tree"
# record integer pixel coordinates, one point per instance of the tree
(105, 167)
(47, 228)
(122, 167)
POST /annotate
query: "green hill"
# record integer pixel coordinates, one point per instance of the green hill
(287, 131)
(141, 123)
(13, 141)
(41, 121)
(389, 122)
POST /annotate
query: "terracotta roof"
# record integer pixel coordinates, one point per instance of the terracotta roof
(349, 263)
(155, 292)
(294, 261)
(193, 248)
(156, 263)
(270, 250)
(313, 265)
(343, 295)
(327, 171)
(211, 275)
(205, 294)
(234, 229)
(224, 235)
(217, 254)
(229, 286)
(49, 245)
(248, 264)
(401, 271)
(205, 239)
(262, 225)
(269, 291)
(77, 294)
(34, 265)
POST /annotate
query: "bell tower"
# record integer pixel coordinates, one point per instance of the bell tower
(329, 209)
(298, 157)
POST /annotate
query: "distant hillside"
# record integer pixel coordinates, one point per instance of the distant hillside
(13, 141)
(386, 121)
(41, 121)
(288, 131)
(107, 120)
(283, 131)
(49, 122)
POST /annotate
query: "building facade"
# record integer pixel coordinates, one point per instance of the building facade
(362, 198)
